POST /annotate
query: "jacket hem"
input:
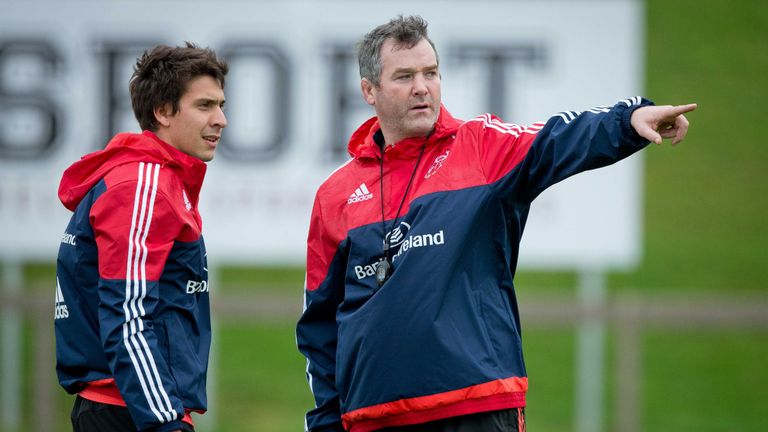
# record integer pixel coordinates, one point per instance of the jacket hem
(106, 392)
(474, 406)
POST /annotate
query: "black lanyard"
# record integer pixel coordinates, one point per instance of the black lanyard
(384, 268)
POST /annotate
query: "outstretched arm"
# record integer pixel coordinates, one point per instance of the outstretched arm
(667, 121)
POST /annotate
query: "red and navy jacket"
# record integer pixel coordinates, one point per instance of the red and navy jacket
(440, 338)
(132, 309)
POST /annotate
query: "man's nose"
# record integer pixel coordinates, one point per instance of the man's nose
(219, 118)
(420, 85)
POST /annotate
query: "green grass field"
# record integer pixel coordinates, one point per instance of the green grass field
(706, 381)
(694, 380)
(705, 234)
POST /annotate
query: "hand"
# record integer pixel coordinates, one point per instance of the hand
(667, 121)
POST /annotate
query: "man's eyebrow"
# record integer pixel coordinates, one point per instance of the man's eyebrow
(210, 100)
(400, 70)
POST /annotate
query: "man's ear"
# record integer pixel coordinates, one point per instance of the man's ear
(163, 114)
(367, 89)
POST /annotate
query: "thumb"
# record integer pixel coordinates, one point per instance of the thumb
(648, 133)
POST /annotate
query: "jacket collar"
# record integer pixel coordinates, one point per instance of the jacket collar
(125, 148)
(363, 145)
(192, 170)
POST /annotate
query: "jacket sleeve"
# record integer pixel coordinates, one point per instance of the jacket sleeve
(134, 227)
(524, 161)
(316, 332)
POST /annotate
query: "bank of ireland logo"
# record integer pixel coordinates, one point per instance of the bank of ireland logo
(437, 164)
(401, 241)
(395, 237)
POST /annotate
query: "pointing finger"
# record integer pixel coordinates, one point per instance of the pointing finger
(682, 109)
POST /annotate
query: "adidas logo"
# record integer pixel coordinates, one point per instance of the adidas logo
(360, 194)
(61, 307)
(187, 204)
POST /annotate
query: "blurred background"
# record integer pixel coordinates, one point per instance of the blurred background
(664, 326)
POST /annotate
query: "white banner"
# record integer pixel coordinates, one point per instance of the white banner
(293, 99)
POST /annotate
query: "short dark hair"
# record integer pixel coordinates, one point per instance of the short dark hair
(406, 32)
(161, 75)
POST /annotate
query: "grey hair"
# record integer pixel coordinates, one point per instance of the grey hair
(406, 32)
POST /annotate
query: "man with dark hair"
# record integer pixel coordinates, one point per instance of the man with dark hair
(410, 317)
(132, 315)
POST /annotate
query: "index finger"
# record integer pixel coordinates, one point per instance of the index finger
(682, 109)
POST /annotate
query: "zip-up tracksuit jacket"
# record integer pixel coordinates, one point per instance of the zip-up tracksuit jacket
(440, 338)
(132, 310)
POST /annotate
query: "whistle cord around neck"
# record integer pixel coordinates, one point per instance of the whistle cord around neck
(383, 270)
